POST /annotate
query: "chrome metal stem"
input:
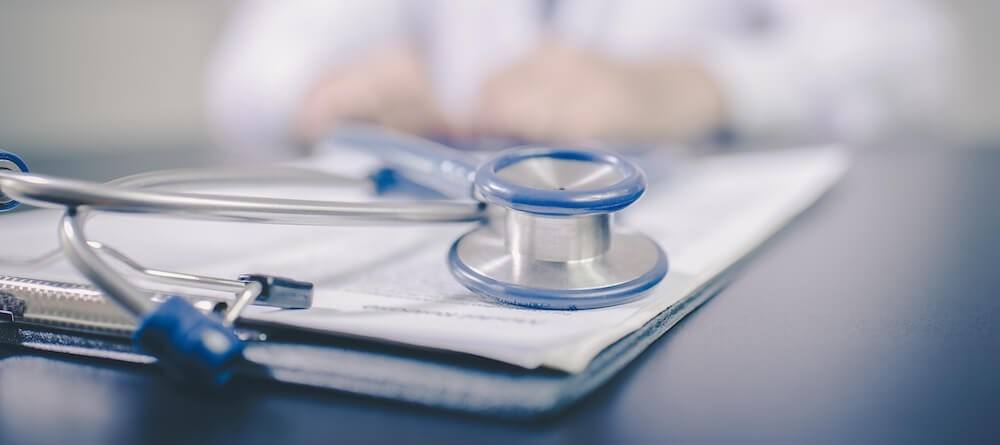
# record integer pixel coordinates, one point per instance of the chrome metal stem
(557, 238)
(246, 298)
(168, 277)
(74, 243)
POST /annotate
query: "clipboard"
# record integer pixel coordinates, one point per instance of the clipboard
(435, 379)
(459, 378)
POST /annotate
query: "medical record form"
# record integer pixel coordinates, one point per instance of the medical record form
(391, 282)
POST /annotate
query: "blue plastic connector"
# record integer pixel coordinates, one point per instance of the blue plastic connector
(390, 182)
(13, 162)
(191, 345)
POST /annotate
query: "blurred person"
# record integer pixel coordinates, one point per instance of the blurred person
(627, 71)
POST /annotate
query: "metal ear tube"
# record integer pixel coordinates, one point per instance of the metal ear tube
(191, 343)
(197, 346)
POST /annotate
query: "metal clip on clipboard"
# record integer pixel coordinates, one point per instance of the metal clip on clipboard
(185, 336)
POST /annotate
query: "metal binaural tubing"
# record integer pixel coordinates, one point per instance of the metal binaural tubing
(244, 298)
(83, 255)
(192, 176)
(53, 192)
(553, 238)
(276, 174)
(104, 277)
(175, 278)
(124, 195)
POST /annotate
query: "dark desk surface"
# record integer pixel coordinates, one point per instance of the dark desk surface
(875, 316)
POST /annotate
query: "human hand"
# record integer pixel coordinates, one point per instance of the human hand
(561, 94)
(389, 88)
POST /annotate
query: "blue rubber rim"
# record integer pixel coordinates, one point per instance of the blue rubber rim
(6, 155)
(555, 299)
(499, 191)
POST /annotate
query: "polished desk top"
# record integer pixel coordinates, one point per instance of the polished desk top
(874, 317)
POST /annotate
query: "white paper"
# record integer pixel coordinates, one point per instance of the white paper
(392, 283)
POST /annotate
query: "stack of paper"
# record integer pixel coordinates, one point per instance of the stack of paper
(392, 283)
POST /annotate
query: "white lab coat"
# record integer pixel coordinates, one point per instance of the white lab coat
(789, 70)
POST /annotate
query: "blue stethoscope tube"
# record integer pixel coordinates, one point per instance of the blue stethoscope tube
(440, 168)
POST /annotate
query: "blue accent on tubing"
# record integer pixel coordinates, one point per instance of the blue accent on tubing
(499, 191)
(8, 156)
(560, 299)
(191, 345)
(390, 183)
(443, 169)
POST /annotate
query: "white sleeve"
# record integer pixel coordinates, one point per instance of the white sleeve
(270, 55)
(851, 70)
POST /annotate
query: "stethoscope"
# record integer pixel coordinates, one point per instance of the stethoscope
(546, 238)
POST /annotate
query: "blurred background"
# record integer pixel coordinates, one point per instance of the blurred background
(128, 78)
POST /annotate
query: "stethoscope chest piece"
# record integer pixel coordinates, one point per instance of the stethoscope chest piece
(556, 247)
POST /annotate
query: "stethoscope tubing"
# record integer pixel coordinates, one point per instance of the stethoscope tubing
(44, 191)
(126, 195)
(207, 348)
(443, 169)
(100, 273)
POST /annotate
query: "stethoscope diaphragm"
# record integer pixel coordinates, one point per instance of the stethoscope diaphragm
(557, 247)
